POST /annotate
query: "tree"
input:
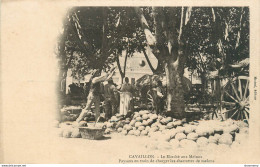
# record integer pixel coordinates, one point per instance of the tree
(168, 47)
(202, 39)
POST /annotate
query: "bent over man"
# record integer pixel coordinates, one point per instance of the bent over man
(94, 93)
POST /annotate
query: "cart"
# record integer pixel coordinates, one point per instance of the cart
(234, 93)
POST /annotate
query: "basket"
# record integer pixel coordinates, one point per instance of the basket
(92, 133)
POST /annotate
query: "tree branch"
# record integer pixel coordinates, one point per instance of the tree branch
(104, 37)
(149, 36)
(240, 25)
(79, 41)
(126, 55)
(188, 14)
(181, 24)
(148, 60)
(150, 39)
(119, 66)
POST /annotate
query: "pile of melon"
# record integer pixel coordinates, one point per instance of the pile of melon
(71, 113)
(68, 130)
(176, 133)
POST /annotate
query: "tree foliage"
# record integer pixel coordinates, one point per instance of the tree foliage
(96, 37)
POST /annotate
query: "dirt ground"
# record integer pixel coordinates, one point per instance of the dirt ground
(117, 148)
(48, 147)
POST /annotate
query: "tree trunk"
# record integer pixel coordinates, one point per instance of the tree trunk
(175, 93)
(172, 56)
(122, 74)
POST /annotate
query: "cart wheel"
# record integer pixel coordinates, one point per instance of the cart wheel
(235, 98)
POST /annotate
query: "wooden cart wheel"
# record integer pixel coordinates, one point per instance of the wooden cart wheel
(235, 98)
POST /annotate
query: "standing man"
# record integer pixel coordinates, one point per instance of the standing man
(94, 93)
(159, 98)
(110, 99)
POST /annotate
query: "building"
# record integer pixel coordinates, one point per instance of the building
(134, 70)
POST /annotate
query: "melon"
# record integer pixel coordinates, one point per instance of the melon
(188, 144)
(131, 132)
(149, 121)
(163, 121)
(114, 119)
(153, 129)
(159, 117)
(177, 123)
(145, 117)
(217, 136)
(175, 143)
(188, 129)
(110, 125)
(127, 121)
(154, 117)
(145, 122)
(137, 133)
(75, 133)
(212, 146)
(124, 132)
(137, 124)
(244, 130)
(136, 115)
(213, 139)
(140, 128)
(179, 129)
(162, 127)
(180, 136)
(155, 125)
(66, 133)
(168, 119)
(201, 131)
(172, 133)
(144, 133)
(165, 137)
(128, 127)
(119, 129)
(108, 131)
(202, 142)
(132, 123)
(192, 136)
(150, 115)
(138, 119)
(119, 124)
(169, 125)
(226, 139)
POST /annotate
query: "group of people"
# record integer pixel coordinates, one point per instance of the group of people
(108, 91)
(102, 86)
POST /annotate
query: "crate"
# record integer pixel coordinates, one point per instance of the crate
(92, 133)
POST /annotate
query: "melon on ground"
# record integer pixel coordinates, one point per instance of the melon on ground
(75, 133)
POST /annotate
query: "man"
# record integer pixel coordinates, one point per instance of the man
(127, 87)
(159, 98)
(94, 93)
(110, 104)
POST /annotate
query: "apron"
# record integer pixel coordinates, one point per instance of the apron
(125, 102)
